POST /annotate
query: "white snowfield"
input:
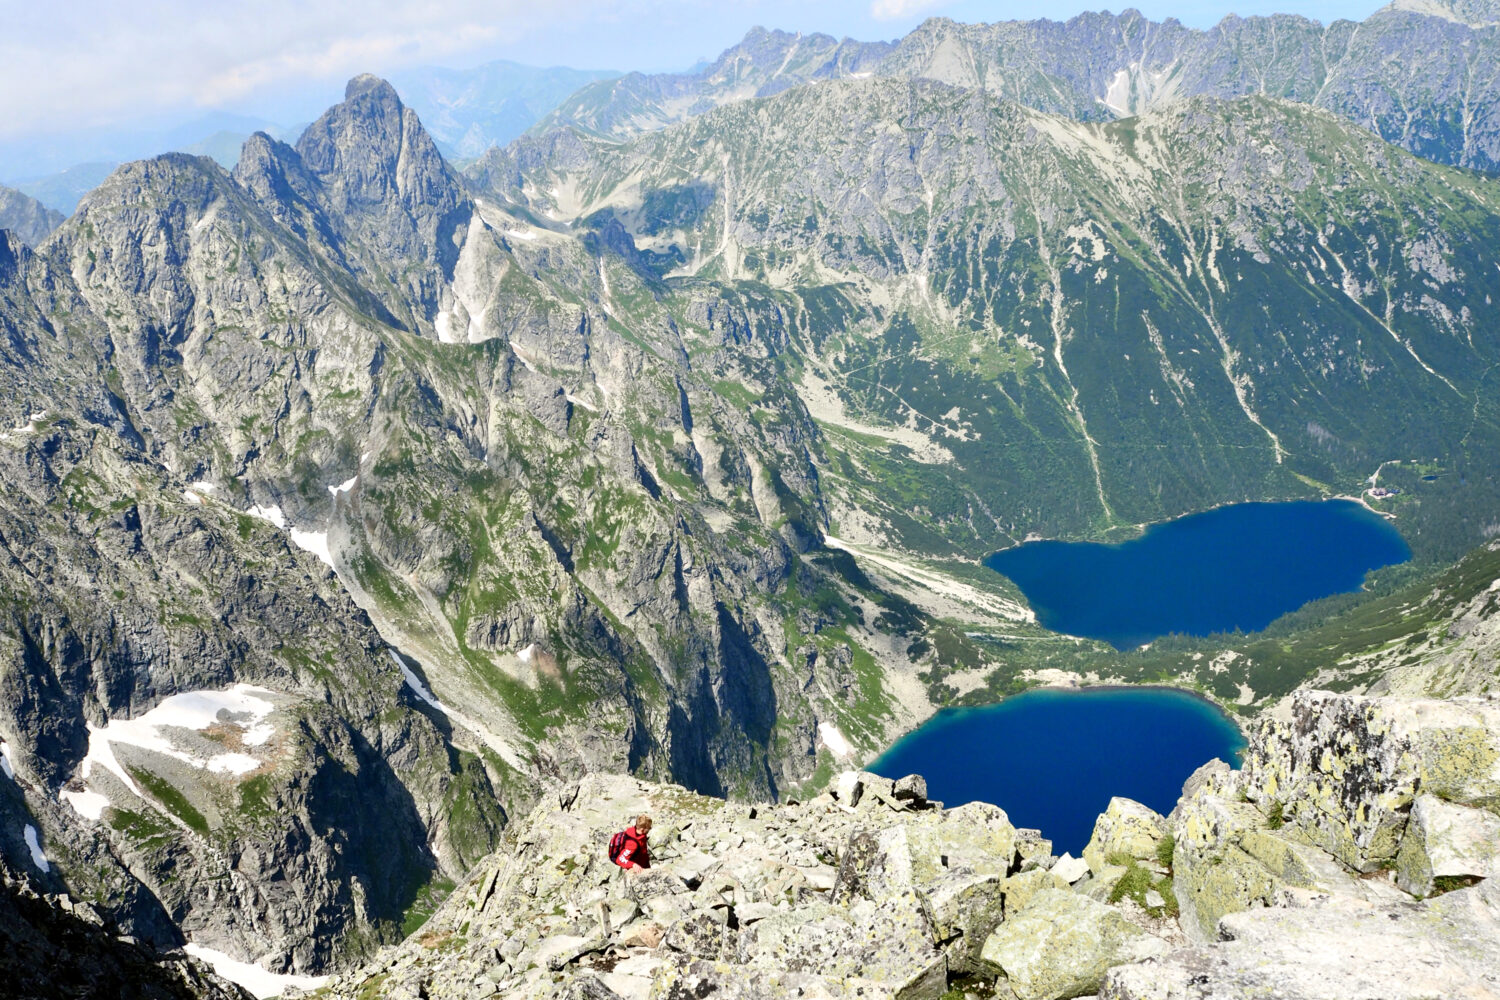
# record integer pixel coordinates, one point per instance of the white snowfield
(834, 740)
(252, 977)
(240, 704)
(5, 761)
(345, 486)
(315, 542)
(37, 857)
(272, 513)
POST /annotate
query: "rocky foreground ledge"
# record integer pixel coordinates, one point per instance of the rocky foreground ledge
(1348, 859)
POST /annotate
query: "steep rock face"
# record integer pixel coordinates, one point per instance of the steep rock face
(27, 218)
(56, 948)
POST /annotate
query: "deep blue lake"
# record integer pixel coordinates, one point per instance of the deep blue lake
(1053, 759)
(1237, 567)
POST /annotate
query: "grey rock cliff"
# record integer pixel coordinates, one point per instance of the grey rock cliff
(30, 220)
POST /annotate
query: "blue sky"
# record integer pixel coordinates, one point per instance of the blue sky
(102, 63)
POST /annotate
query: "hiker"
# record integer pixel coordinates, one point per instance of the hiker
(629, 849)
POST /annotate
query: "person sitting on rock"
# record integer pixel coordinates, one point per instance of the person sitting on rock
(634, 852)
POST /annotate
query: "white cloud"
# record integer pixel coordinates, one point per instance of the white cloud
(98, 62)
(894, 10)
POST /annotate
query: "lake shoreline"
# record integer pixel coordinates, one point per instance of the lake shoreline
(1053, 756)
(1084, 685)
(1235, 568)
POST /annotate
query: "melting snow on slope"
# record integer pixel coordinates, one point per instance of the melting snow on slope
(834, 740)
(252, 977)
(272, 513)
(195, 710)
(315, 542)
(345, 486)
(415, 683)
(517, 234)
(37, 857)
(89, 805)
(421, 690)
(5, 762)
(582, 402)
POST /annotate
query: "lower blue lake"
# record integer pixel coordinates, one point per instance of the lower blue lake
(1053, 759)
(1231, 568)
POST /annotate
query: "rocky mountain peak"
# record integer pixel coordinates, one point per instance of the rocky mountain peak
(372, 149)
(27, 218)
(369, 83)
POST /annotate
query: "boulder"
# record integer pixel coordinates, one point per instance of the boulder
(966, 909)
(1032, 850)
(1335, 947)
(1227, 858)
(1346, 768)
(1019, 888)
(912, 788)
(1061, 944)
(1070, 869)
(848, 788)
(1446, 840)
(1125, 828)
(892, 942)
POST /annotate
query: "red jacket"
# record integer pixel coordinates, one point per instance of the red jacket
(636, 853)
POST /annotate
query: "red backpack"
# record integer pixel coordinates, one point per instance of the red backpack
(616, 845)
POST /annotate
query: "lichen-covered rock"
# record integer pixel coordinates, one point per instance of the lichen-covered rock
(1345, 769)
(1335, 947)
(1446, 840)
(1020, 887)
(966, 909)
(1125, 827)
(1061, 944)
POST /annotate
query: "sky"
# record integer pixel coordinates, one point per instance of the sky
(82, 64)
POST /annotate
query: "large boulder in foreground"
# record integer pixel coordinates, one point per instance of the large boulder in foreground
(1346, 769)
(1322, 947)
(1060, 945)
(1446, 841)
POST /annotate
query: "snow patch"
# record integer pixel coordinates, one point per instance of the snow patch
(526, 655)
(37, 857)
(89, 805)
(345, 486)
(415, 683)
(834, 740)
(5, 762)
(524, 360)
(582, 402)
(315, 542)
(192, 497)
(517, 234)
(272, 513)
(243, 704)
(252, 977)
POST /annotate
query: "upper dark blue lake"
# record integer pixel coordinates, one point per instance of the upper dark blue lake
(1053, 759)
(1237, 567)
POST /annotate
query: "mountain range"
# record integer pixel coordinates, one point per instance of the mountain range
(355, 501)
